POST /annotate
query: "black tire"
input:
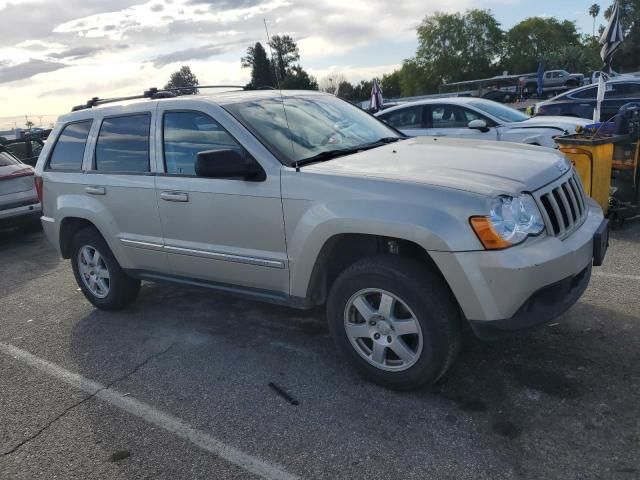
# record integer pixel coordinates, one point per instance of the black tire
(122, 288)
(427, 296)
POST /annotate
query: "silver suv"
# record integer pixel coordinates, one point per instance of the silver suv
(302, 199)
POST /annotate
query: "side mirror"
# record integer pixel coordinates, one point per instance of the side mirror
(228, 163)
(478, 125)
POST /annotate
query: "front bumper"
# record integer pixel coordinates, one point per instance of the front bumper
(525, 285)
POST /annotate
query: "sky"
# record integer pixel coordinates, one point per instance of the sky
(56, 54)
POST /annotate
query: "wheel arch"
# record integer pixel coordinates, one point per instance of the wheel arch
(342, 250)
(69, 226)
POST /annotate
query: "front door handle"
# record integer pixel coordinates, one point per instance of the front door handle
(94, 190)
(174, 196)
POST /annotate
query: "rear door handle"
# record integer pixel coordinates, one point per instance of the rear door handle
(93, 190)
(174, 196)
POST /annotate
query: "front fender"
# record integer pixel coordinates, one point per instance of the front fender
(311, 225)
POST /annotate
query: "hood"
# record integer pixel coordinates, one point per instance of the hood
(483, 167)
(565, 123)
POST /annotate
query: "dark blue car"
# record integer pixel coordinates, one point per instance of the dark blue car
(582, 101)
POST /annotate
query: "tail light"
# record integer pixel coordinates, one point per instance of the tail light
(39, 188)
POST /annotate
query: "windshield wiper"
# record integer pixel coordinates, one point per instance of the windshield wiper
(331, 154)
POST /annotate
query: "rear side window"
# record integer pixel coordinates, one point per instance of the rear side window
(410, 117)
(123, 144)
(69, 149)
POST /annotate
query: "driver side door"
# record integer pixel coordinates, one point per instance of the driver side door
(227, 232)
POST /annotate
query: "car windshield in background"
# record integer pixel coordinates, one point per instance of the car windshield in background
(501, 112)
(318, 125)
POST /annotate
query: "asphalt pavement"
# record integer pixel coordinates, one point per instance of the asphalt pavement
(178, 387)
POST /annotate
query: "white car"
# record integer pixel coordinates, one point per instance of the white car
(477, 118)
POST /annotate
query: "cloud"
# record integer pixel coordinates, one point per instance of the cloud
(25, 70)
(77, 53)
(196, 53)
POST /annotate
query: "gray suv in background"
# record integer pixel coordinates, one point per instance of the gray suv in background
(302, 199)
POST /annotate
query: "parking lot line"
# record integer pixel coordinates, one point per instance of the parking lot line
(616, 275)
(151, 415)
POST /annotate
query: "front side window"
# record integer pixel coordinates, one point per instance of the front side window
(185, 134)
(299, 127)
(123, 144)
(69, 149)
(409, 117)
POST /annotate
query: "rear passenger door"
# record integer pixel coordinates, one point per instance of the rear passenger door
(120, 187)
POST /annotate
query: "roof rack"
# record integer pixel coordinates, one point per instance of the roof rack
(154, 94)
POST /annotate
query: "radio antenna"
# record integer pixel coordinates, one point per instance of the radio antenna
(275, 70)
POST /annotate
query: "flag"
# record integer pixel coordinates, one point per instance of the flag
(611, 38)
(377, 101)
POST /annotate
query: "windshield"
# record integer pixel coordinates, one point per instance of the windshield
(501, 112)
(318, 124)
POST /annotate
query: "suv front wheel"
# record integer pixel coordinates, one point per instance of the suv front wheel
(396, 320)
(98, 273)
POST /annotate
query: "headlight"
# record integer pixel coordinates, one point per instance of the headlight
(510, 221)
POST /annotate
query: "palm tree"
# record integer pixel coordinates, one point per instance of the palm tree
(594, 11)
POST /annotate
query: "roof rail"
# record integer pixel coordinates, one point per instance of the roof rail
(154, 94)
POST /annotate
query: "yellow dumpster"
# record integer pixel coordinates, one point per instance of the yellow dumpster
(592, 158)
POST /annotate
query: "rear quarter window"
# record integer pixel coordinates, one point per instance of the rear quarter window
(68, 151)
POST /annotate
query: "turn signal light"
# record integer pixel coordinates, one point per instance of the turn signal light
(487, 234)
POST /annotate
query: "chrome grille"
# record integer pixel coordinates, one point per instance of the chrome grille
(562, 205)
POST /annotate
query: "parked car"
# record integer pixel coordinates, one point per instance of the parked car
(553, 80)
(501, 96)
(26, 149)
(581, 102)
(401, 239)
(476, 119)
(19, 204)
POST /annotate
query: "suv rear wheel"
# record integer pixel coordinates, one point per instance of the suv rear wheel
(396, 321)
(98, 273)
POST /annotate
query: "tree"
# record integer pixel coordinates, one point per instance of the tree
(331, 83)
(390, 84)
(285, 54)
(536, 39)
(346, 91)
(29, 124)
(298, 79)
(594, 11)
(456, 46)
(261, 69)
(183, 78)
